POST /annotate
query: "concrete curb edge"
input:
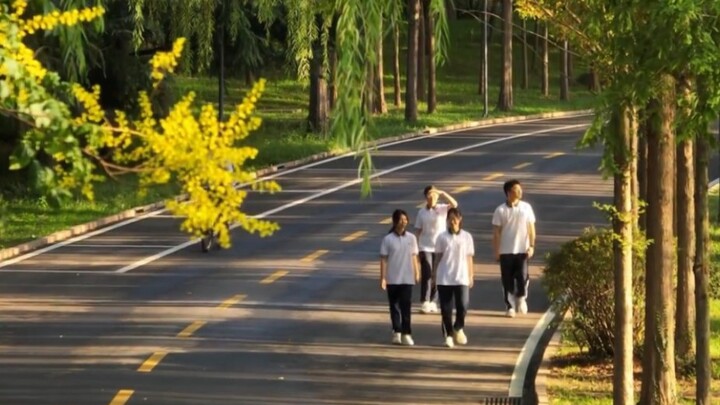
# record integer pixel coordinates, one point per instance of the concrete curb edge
(81, 229)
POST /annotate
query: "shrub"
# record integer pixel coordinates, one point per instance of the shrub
(579, 277)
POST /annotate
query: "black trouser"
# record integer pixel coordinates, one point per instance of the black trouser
(400, 300)
(447, 294)
(427, 289)
(515, 277)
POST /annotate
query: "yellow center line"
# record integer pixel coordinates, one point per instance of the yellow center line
(386, 221)
(122, 397)
(231, 301)
(152, 361)
(354, 235)
(271, 278)
(461, 189)
(522, 165)
(313, 256)
(554, 155)
(190, 329)
(492, 176)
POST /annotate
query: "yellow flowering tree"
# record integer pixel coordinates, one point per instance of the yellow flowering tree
(70, 138)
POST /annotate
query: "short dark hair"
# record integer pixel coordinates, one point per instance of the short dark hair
(396, 217)
(509, 185)
(427, 190)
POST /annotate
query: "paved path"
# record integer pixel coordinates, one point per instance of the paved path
(127, 317)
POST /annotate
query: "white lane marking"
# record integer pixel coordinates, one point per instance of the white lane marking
(714, 184)
(100, 245)
(346, 185)
(517, 381)
(76, 239)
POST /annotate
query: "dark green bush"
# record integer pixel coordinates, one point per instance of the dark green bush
(579, 277)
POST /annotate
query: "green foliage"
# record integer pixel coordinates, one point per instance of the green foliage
(579, 277)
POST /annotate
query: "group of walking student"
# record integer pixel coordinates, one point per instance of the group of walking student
(440, 257)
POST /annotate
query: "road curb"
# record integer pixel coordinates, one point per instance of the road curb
(81, 229)
(544, 368)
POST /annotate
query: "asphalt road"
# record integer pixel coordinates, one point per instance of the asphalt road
(138, 315)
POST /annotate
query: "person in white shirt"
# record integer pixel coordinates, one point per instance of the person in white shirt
(453, 273)
(429, 223)
(513, 245)
(399, 271)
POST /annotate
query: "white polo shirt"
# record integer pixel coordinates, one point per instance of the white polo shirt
(453, 266)
(400, 251)
(433, 222)
(513, 223)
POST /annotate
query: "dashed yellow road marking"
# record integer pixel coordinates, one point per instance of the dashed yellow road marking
(492, 176)
(461, 189)
(152, 361)
(271, 278)
(314, 255)
(354, 235)
(522, 165)
(554, 155)
(122, 397)
(231, 301)
(386, 221)
(190, 329)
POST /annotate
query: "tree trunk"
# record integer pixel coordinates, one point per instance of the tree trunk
(658, 385)
(318, 117)
(564, 83)
(332, 88)
(642, 173)
(396, 65)
(451, 11)
(430, 49)
(570, 73)
(536, 49)
(594, 84)
(623, 225)
(379, 105)
(685, 307)
(525, 64)
(702, 273)
(421, 55)
(505, 100)
(545, 80)
(412, 59)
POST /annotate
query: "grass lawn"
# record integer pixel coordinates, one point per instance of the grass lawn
(283, 135)
(575, 380)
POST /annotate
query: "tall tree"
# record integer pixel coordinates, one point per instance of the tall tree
(658, 383)
(411, 77)
(564, 76)
(430, 57)
(545, 75)
(685, 302)
(525, 63)
(505, 99)
(702, 274)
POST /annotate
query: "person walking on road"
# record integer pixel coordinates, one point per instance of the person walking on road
(514, 244)
(429, 223)
(399, 271)
(453, 273)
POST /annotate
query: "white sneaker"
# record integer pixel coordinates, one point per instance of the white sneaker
(396, 339)
(510, 313)
(449, 342)
(434, 307)
(522, 305)
(425, 308)
(407, 340)
(460, 337)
